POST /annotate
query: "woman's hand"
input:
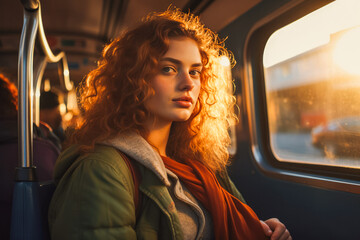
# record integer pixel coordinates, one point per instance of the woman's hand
(275, 230)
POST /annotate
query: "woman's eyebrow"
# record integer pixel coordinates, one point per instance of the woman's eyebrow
(177, 62)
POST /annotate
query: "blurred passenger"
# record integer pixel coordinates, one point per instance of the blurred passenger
(158, 98)
(50, 117)
(45, 153)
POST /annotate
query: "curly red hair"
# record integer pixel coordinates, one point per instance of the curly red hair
(114, 94)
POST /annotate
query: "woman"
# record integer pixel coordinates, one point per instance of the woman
(156, 96)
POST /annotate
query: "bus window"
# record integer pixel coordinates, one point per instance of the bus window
(312, 81)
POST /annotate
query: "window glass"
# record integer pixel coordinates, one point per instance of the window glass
(312, 78)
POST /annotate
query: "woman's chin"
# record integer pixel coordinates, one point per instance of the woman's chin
(182, 118)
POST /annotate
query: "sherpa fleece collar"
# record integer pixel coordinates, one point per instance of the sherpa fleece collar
(135, 146)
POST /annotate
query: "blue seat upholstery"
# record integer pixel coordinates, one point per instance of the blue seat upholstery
(45, 155)
(45, 192)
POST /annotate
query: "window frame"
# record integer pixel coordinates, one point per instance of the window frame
(325, 176)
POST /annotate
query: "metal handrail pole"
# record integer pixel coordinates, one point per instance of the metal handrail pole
(25, 86)
(34, 6)
(69, 85)
(45, 45)
(30, 5)
(39, 69)
(54, 58)
(48, 57)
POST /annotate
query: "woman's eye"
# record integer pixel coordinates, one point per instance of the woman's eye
(195, 73)
(168, 69)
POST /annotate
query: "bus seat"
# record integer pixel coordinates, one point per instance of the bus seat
(45, 192)
(45, 155)
(30, 209)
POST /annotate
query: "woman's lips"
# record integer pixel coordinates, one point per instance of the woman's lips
(184, 102)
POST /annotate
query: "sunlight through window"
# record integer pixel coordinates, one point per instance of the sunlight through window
(312, 81)
(347, 51)
(311, 31)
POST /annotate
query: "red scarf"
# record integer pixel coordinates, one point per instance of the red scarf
(232, 219)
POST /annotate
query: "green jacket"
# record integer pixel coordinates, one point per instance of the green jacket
(94, 199)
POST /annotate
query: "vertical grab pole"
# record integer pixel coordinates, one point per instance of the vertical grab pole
(26, 216)
(25, 80)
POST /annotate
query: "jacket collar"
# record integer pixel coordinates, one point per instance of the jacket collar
(136, 147)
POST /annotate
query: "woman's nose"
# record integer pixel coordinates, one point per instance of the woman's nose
(186, 82)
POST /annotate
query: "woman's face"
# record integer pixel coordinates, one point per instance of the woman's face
(177, 84)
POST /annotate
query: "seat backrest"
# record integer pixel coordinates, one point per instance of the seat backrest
(45, 155)
(30, 209)
(46, 192)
